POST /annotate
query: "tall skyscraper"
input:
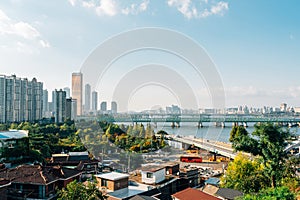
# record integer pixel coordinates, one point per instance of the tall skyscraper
(114, 107)
(67, 90)
(20, 99)
(77, 90)
(87, 98)
(45, 103)
(53, 108)
(60, 107)
(103, 106)
(94, 101)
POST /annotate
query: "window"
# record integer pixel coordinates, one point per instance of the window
(103, 182)
(149, 175)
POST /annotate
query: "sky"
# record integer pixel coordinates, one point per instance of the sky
(254, 45)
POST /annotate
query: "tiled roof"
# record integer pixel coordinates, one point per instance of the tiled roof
(152, 168)
(193, 194)
(36, 174)
(141, 197)
(228, 193)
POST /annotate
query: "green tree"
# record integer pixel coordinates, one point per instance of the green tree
(77, 190)
(244, 174)
(268, 141)
(278, 193)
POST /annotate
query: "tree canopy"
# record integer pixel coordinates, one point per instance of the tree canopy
(267, 141)
(77, 190)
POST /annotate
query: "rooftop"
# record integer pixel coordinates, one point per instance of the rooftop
(228, 193)
(36, 174)
(133, 189)
(13, 134)
(152, 168)
(84, 153)
(113, 176)
(193, 194)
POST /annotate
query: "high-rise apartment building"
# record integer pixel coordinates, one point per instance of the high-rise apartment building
(67, 90)
(94, 101)
(114, 107)
(103, 106)
(20, 99)
(60, 106)
(77, 90)
(87, 98)
(45, 103)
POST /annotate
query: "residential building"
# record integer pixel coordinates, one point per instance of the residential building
(153, 174)
(87, 98)
(283, 107)
(45, 104)
(71, 105)
(192, 194)
(11, 141)
(37, 182)
(172, 168)
(60, 106)
(20, 99)
(67, 90)
(114, 107)
(103, 106)
(113, 181)
(77, 80)
(94, 101)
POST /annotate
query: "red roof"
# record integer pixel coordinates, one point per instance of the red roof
(193, 194)
(36, 174)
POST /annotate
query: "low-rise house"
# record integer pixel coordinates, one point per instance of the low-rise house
(172, 168)
(37, 182)
(191, 175)
(112, 181)
(4, 184)
(193, 194)
(153, 174)
(12, 142)
(118, 187)
(75, 157)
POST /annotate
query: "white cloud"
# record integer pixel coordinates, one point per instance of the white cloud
(23, 33)
(107, 7)
(24, 30)
(112, 7)
(201, 9)
(88, 4)
(135, 9)
(44, 44)
(72, 2)
(219, 8)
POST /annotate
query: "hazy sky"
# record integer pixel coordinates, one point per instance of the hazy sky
(254, 44)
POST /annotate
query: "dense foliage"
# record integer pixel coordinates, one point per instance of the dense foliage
(79, 191)
(43, 140)
(266, 172)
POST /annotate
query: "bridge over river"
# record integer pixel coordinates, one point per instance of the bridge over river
(218, 119)
(221, 148)
(224, 149)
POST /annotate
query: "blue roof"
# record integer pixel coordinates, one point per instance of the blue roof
(16, 134)
(213, 181)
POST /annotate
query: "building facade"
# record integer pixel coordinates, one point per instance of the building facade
(67, 90)
(94, 101)
(60, 106)
(114, 107)
(20, 99)
(87, 98)
(77, 80)
(103, 106)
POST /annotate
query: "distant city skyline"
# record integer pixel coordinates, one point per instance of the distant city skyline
(256, 50)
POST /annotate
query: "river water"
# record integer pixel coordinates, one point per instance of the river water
(208, 132)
